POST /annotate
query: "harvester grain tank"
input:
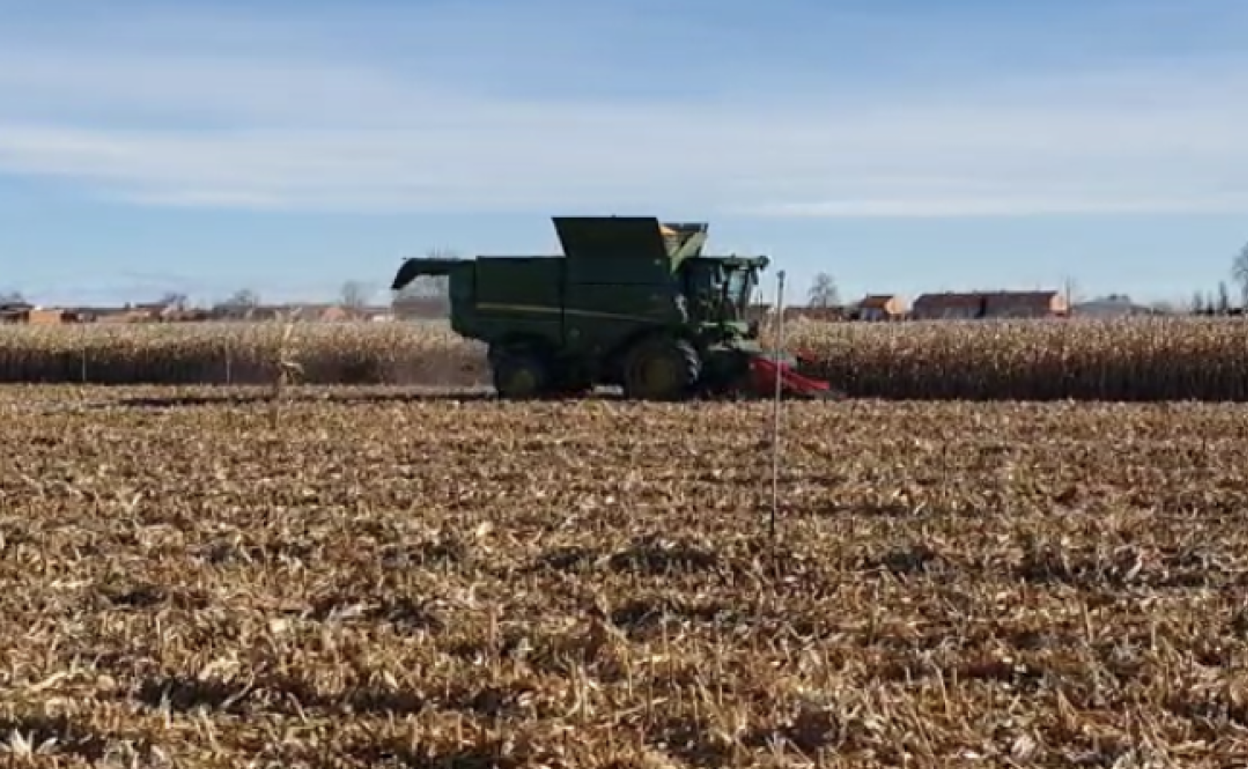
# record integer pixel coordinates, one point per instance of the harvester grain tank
(631, 302)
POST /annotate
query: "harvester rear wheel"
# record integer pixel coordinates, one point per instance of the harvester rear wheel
(662, 369)
(519, 375)
(570, 383)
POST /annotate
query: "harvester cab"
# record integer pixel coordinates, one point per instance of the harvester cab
(718, 291)
(631, 302)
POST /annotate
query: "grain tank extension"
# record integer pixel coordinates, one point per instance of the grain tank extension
(631, 303)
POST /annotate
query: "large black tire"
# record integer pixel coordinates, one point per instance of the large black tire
(662, 369)
(569, 381)
(519, 374)
(726, 375)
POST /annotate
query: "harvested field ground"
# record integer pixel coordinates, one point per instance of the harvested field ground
(387, 581)
(1108, 360)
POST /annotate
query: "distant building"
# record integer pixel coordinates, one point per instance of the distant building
(421, 308)
(827, 314)
(1027, 304)
(948, 305)
(765, 313)
(994, 304)
(1111, 306)
(881, 307)
(334, 313)
(30, 315)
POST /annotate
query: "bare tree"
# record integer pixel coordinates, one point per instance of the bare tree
(1239, 274)
(244, 298)
(1224, 299)
(354, 295)
(823, 292)
(238, 304)
(175, 300)
(13, 297)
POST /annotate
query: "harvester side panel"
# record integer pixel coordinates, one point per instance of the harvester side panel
(520, 296)
(613, 300)
(621, 271)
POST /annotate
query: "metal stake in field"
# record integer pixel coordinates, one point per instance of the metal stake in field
(777, 345)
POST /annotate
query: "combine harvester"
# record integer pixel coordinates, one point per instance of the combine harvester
(631, 303)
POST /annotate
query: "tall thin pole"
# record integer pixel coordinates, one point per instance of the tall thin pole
(777, 347)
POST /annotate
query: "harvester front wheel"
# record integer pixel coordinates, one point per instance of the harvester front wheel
(570, 382)
(662, 369)
(519, 375)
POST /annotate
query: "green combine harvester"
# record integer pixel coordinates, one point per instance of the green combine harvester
(631, 303)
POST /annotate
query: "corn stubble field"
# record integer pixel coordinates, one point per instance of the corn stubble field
(375, 576)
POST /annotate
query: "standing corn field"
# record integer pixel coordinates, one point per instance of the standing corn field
(237, 353)
(1115, 360)
(1127, 359)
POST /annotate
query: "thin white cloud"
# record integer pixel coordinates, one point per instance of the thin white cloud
(1008, 204)
(270, 132)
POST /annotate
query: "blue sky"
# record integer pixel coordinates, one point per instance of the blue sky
(900, 145)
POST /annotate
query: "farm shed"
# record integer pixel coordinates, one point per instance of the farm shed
(34, 316)
(990, 304)
(1027, 304)
(881, 307)
(949, 305)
